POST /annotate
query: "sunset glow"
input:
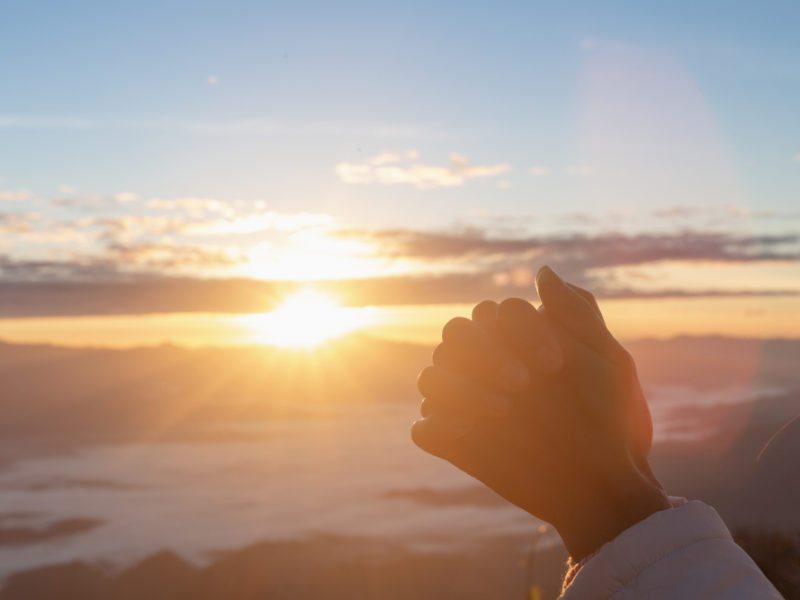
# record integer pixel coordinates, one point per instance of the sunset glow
(304, 319)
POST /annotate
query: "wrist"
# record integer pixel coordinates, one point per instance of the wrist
(606, 508)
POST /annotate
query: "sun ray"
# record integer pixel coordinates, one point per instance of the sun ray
(305, 319)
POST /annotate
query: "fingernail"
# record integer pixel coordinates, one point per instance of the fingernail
(515, 377)
(498, 405)
(548, 359)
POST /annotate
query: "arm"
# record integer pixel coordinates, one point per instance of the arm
(545, 408)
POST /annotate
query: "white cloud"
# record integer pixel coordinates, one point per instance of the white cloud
(88, 202)
(193, 206)
(93, 202)
(15, 223)
(580, 170)
(15, 195)
(261, 222)
(392, 168)
(539, 170)
(736, 210)
(213, 80)
(797, 157)
(125, 197)
(504, 184)
(588, 44)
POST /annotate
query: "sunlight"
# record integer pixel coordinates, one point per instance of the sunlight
(312, 255)
(305, 319)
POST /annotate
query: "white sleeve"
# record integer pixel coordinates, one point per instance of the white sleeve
(684, 552)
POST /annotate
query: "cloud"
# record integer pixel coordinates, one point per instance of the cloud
(130, 228)
(125, 197)
(393, 169)
(92, 202)
(745, 211)
(266, 221)
(87, 202)
(581, 218)
(727, 210)
(577, 254)
(678, 212)
(797, 157)
(170, 256)
(539, 170)
(15, 195)
(15, 223)
(196, 207)
(46, 288)
(212, 80)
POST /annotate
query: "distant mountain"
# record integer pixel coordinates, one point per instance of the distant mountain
(322, 567)
(57, 397)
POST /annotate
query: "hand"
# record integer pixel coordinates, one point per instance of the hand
(546, 409)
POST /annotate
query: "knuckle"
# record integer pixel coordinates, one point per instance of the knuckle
(484, 309)
(513, 307)
(456, 328)
(440, 356)
(426, 378)
(426, 407)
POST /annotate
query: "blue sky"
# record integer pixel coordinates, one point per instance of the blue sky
(590, 117)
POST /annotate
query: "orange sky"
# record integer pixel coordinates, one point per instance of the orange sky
(758, 317)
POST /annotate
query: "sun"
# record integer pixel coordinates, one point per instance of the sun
(305, 319)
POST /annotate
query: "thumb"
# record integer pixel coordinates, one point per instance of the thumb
(575, 311)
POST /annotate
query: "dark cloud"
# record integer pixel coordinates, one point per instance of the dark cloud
(132, 278)
(588, 251)
(130, 294)
(118, 262)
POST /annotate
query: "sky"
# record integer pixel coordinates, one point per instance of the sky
(647, 150)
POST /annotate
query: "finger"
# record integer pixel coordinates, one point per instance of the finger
(427, 407)
(527, 331)
(455, 391)
(438, 432)
(490, 458)
(484, 315)
(589, 296)
(469, 350)
(574, 313)
(446, 358)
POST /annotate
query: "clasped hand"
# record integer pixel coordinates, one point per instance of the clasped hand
(545, 408)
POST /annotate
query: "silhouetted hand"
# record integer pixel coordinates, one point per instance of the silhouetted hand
(545, 408)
